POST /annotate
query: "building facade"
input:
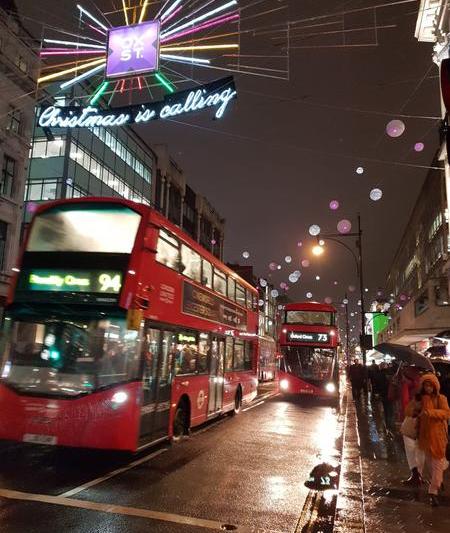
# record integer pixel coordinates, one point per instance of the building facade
(418, 283)
(18, 74)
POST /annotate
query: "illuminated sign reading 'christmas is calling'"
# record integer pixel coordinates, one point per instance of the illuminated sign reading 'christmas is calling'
(216, 95)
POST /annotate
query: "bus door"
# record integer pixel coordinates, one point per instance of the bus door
(157, 382)
(216, 375)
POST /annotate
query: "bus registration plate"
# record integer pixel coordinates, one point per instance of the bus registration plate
(40, 439)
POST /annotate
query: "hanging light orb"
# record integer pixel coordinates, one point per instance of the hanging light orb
(246, 255)
(293, 278)
(345, 301)
(274, 293)
(328, 300)
(351, 288)
(344, 226)
(376, 194)
(334, 205)
(278, 267)
(263, 282)
(360, 170)
(288, 259)
(309, 295)
(395, 128)
(418, 147)
(260, 303)
(273, 266)
(283, 285)
(317, 278)
(298, 273)
(299, 244)
(305, 263)
(213, 242)
(335, 282)
(314, 230)
(280, 307)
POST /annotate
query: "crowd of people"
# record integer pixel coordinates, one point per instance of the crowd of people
(415, 405)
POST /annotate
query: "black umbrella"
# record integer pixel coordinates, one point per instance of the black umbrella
(406, 355)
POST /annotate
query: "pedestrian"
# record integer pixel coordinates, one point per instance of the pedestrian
(432, 411)
(357, 375)
(385, 376)
(374, 378)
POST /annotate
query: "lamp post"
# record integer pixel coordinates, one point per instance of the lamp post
(359, 270)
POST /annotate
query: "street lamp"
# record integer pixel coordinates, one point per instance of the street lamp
(319, 250)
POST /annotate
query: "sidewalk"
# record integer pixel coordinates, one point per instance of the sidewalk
(371, 490)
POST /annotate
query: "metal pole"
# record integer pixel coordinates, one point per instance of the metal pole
(347, 332)
(361, 290)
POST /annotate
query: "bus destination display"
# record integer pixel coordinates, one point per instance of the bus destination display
(93, 281)
(302, 336)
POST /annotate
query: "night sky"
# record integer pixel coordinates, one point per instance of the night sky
(285, 149)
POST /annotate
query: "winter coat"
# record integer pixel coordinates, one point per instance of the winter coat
(433, 419)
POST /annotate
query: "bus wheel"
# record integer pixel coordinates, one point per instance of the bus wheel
(237, 402)
(180, 423)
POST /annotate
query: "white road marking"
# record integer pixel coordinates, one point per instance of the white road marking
(252, 406)
(116, 509)
(114, 473)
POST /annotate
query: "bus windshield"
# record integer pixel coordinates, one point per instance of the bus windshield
(313, 364)
(69, 357)
(310, 318)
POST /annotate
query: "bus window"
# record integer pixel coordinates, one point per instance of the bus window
(228, 354)
(204, 349)
(186, 355)
(231, 288)
(167, 250)
(310, 318)
(248, 355)
(169, 352)
(240, 295)
(190, 263)
(249, 299)
(238, 355)
(220, 282)
(207, 273)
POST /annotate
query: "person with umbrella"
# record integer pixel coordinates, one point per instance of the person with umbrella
(432, 411)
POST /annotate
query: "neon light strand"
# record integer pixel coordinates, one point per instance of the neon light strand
(205, 26)
(143, 10)
(170, 10)
(74, 43)
(70, 70)
(199, 18)
(56, 52)
(161, 9)
(83, 76)
(96, 29)
(164, 81)
(171, 16)
(184, 59)
(125, 12)
(198, 47)
(99, 92)
(86, 12)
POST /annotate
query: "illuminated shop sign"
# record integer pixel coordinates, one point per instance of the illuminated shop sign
(108, 282)
(133, 49)
(216, 95)
(301, 336)
(203, 304)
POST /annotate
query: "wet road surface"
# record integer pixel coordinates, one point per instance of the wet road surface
(245, 473)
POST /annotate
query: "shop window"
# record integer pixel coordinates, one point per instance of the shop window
(228, 354)
(421, 304)
(441, 292)
(240, 295)
(231, 288)
(220, 282)
(21, 63)
(35, 191)
(49, 191)
(190, 263)
(207, 273)
(15, 119)
(239, 363)
(167, 250)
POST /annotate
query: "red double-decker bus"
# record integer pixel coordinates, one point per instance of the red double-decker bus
(308, 343)
(121, 330)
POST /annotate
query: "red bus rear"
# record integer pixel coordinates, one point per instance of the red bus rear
(308, 344)
(121, 330)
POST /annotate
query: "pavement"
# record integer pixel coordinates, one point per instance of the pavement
(371, 497)
(245, 473)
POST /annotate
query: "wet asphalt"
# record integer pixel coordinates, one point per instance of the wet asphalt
(242, 473)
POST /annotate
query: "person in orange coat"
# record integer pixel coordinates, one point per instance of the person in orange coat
(433, 413)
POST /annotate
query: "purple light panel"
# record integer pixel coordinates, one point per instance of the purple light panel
(133, 49)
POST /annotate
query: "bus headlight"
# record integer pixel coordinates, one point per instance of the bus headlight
(284, 384)
(119, 398)
(330, 387)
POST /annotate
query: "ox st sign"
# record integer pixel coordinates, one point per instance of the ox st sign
(216, 95)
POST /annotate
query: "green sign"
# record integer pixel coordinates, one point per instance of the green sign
(97, 281)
